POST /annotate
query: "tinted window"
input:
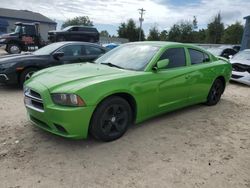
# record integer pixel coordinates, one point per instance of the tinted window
(87, 29)
(74, 29)
(197, 57)
(91, 50)
(72, 50)
(176, 57)
(30, 30)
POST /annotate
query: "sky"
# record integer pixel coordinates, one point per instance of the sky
(108, 14)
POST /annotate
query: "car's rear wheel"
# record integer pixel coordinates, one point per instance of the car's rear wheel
(26, 74)
(215, 92)
(111, 119)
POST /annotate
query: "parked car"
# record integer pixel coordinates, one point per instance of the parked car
(15, 69)
(222, 51)
(110, 46)
(241, 67)
(128, 84)
(26, 37)
(75, 33)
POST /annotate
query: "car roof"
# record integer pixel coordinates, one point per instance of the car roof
(80, 43)
(167, 43)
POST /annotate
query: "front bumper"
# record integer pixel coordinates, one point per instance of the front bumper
(69, 122)
(8, 78)
(242, 77)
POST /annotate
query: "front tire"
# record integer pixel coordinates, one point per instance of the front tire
(215, 92)
(13, 48)
(26, 74)
(111, 119)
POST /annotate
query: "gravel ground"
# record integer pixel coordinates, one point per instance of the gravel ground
(198, 146)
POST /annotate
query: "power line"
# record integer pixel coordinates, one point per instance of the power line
(141, 19)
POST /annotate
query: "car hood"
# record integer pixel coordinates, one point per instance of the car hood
(8, 35)
(16, 58)
(243, 62)
(76, 76)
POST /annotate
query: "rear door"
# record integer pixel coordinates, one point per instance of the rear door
(200, 76)
(173, 88)
(92, 52)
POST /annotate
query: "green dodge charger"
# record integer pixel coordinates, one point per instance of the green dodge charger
(127, 85)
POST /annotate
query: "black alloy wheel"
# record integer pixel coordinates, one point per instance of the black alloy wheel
(111, 119)
(215, 92)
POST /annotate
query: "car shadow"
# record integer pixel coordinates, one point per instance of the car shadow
(238, 84)
(10, 87)
(90, 142)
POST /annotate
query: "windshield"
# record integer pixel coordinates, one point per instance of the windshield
(18, 29)
(215, 51)
(131, 57)
(243, 55)
(47, 50)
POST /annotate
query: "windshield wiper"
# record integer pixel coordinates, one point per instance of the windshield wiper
(112, 65)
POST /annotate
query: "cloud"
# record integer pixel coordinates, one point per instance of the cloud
(163, 13)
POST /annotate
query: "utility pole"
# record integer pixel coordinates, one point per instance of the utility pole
(141, 12)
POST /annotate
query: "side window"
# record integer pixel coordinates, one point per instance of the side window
(71, 50)
(74, 29)
(198, 57)
(91, 50)
(29, 30)
(176, 57)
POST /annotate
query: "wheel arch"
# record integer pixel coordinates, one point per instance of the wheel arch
(126, 96)
(222, 78)
(25, 68)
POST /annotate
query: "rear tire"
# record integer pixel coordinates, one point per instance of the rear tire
(13, 48)
(111, 119)
(215, 92)
(26, 74)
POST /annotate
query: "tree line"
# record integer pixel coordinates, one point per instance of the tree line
(183, 31)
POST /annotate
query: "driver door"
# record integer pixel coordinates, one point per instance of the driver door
(72, 54)
(173, 85)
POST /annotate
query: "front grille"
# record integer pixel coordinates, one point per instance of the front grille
(240, 67)
(33, 100)
(236, 76)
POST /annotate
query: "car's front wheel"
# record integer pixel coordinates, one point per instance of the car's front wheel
(13, 48)
(111, 119)
(26, 74)
(215, 92)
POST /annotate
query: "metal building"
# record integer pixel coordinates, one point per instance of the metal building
(8, 18)
(245, 44)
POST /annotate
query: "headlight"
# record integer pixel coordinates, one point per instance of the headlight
(67, 99)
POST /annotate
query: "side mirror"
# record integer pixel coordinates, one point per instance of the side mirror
(58, 55)
(161, 64)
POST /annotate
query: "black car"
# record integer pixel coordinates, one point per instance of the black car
(225, 52)
(75, 33)
(16, 69)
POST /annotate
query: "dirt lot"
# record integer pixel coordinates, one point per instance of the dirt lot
(198, 146)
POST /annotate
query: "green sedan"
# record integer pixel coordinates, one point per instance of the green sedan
(127, 85)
